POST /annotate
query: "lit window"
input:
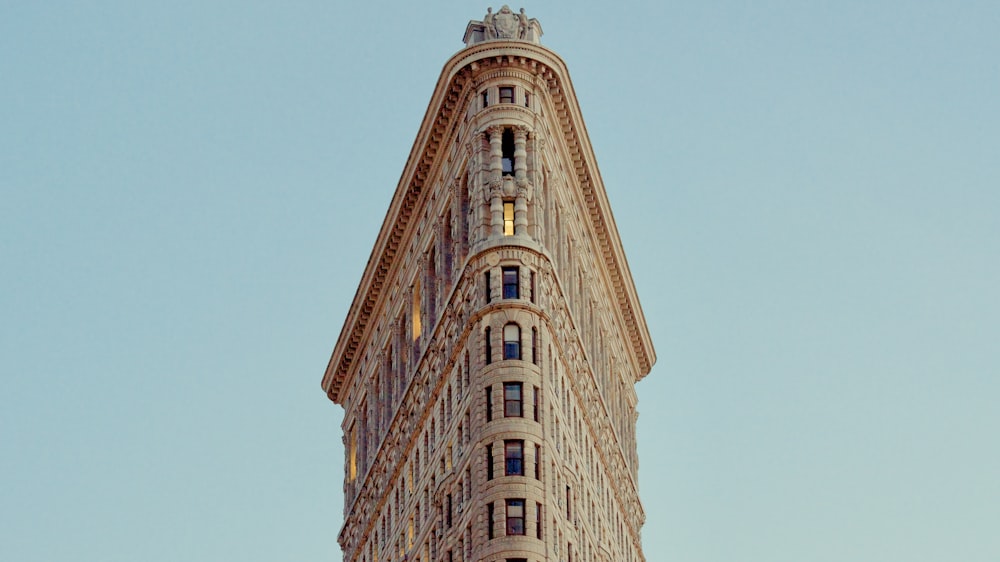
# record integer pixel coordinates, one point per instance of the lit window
(506, 94)
(511, 341)
(514, 458)
(416, 310)
(510, 283)
(508, 218)
(515, 517)
(512, 399)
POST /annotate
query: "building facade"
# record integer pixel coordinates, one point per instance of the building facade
(488, 361)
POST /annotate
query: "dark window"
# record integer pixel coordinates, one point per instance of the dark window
(534, 402)
(513, 458)
(538, 520)
(489, 519)
(527, 99)
(489, 403)
(506, 94)
(533, 287)
(516, 559)
(486, 278)
(508, 218)
(507, 152)
(512, 399)
(489, 462)
(447, 518)
(569, 499)
(534, 348)
(489, 348)
(510, 283)
(538, 463)
(515, 517)
(512, 341)
(486, 98)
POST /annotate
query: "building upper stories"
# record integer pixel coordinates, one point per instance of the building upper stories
(500, 222)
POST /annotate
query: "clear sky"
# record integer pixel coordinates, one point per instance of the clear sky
(808, 194)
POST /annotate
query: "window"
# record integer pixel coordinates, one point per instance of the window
(538, 520)
(486, 278)
(416, 310)
(538, 463)
(510, 283)
(447, 519)
(569, 500)
(508, 218)
(527, 99)
(515, 517)
(516, 559)
(534, 349)
(512, 341)
(507, 152)
(534, 402)
(506, 94)
(512, 399)
(489, 519)
(489, 403)
(533, 287)
(489, 462)
(489, 349)
(486, 98)
(353, 454)
(514, 458)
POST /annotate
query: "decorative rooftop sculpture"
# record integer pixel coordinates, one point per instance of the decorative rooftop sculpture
(504, 25)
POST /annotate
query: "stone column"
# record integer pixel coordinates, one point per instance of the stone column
(496, 181)
(521, 180)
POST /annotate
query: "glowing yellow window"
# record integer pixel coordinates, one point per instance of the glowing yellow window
(508, 218)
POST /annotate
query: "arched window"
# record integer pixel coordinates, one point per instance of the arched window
(512, 341)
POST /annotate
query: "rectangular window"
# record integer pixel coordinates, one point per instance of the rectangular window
(486, 278)
(534, 403)
(512, 400)
(527, 99)
(538, 462)
(506, 94)
(514, 458)
(507, 152)
(489, 520)
(488, 348)
(511, 285)
(534, 349)
(486, 98)
(447, 519)
(515, 517)
(489, 403)
(538, 520)
(508, 218)
(569, 499)
(489, 462)
(533, 288)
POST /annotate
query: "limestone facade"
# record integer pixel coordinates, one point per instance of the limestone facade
(488, 361)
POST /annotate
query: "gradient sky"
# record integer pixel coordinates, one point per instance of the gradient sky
(808, 194)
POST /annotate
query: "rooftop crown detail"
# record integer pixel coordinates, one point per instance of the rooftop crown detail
(504, 25)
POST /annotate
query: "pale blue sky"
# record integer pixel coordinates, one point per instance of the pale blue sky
(808, 193)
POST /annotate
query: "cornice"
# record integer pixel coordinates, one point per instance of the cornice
(441, 120)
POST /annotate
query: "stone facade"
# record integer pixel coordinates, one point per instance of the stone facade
(488, 361)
